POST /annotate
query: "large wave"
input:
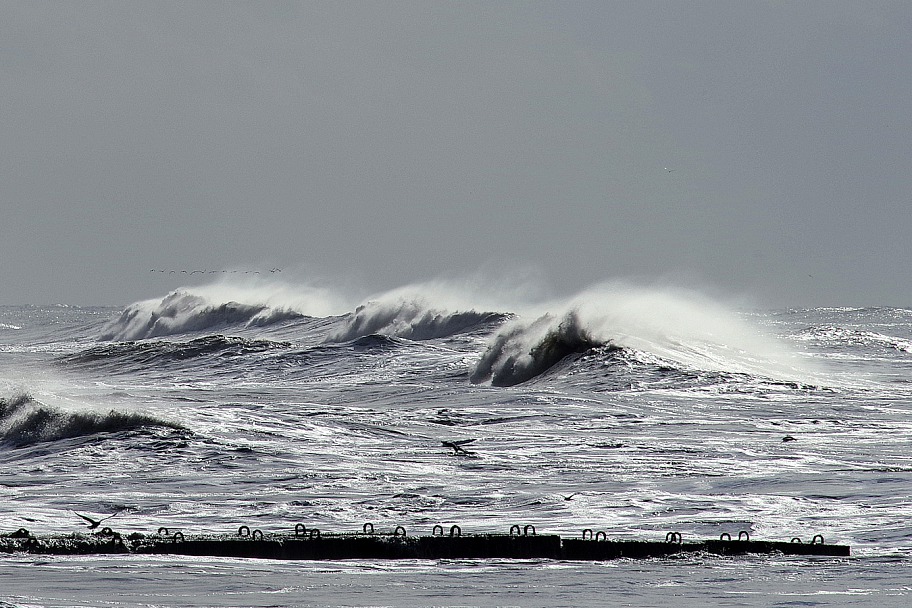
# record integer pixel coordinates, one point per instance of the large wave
(214, 307)
(412, 319)
(678, 326)
(522, 351)
(25, 421)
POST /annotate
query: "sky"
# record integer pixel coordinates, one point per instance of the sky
(760, 149)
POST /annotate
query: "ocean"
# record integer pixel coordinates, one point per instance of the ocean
(625, 409)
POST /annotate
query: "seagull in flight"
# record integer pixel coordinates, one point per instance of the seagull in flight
(457, 446)
(570, 497)
(94, 523)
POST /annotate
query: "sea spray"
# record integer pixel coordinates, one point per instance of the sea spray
(411, 319)
(221, 305)
(677, 325)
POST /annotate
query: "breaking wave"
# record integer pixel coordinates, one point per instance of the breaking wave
(183, 312)
(521, 352)
(24, 421)
(679, 327)
(410, 319)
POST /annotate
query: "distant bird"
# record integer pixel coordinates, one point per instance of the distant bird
(670, 170)
(788, 438)
(570, 497)
(457, 446)
(94, 523)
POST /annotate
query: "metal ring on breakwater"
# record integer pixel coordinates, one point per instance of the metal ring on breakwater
(300, 529)
(723, 536)
(796, 540)
(674, 537)
(435, 529)
(257, 532)
(455, 530)
(163, 531)
(178, 537)
(816, 536)
(313, 533)
(602, 532)
(516, 528)
(399, 531)
(244, 531)
(527, 528)
(591, 534)
(368, 528)
(745, 534)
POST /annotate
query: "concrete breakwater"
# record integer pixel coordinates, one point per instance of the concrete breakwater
(304, 543)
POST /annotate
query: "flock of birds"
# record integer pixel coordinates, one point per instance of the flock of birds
(188, 272)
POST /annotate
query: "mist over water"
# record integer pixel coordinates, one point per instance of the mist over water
(652, 408)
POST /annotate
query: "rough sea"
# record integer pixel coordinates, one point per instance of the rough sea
(630, 410)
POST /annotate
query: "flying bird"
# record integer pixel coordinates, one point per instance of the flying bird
(570, 497)
(94, 523)
(457, 446)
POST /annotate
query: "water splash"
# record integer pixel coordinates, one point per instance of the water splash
(677, 325)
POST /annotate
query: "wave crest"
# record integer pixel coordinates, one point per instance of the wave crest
(24, 421)
(182, 312)
(522, 352)
(683, 328)
(410, 319)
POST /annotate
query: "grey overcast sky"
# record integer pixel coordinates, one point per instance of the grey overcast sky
(384, 143)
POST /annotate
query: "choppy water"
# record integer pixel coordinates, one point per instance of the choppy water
(653, 410)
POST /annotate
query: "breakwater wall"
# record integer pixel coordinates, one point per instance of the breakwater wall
(302, 543)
